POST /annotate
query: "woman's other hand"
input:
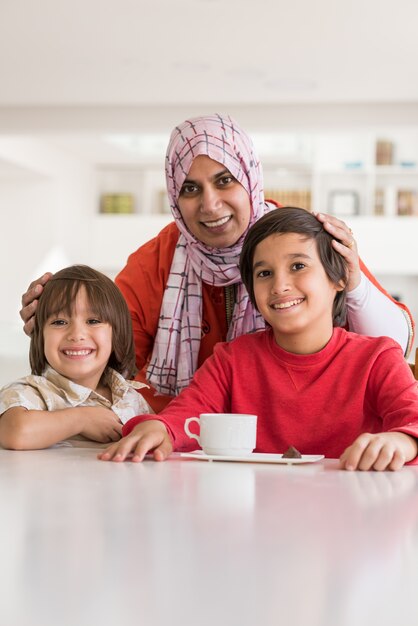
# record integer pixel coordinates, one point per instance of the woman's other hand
(30, 302)
(347, 248)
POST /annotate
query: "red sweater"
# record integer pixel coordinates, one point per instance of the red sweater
(319, 403)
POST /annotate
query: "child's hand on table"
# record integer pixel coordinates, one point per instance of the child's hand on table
(381, 451)
(100, 424)
(150, 435)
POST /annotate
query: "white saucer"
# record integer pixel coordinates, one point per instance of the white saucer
(255, 457)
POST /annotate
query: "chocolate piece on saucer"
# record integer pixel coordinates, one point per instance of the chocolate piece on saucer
(292, 453)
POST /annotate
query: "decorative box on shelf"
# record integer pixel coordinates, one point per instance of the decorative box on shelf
(290, 197)
(117, 203)
(343, 202)
(384, 152)
(407, 202)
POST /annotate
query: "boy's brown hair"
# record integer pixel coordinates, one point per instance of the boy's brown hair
(296, 220)
(105, 300)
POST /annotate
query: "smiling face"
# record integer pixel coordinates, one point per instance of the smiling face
(78, 345)
(215, 207)
(293, 292)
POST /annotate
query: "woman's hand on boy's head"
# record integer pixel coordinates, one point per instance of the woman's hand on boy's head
(380, 451)
(347, 248)
(30, 301)
(149, 436)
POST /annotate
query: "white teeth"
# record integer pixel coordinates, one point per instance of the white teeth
(77, 352)
(219, 222)
(287, 305)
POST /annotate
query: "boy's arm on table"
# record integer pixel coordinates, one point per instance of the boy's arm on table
(22, 429)
(207, 393)
(150, 435)
(395, 391)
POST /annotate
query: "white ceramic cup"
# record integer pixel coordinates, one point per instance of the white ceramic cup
(227, 434)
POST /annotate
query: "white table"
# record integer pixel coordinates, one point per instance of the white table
(189, 542)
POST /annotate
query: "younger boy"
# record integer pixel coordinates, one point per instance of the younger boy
(81, 350)
(312, 384)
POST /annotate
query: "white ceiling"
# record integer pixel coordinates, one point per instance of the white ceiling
(188, 52)
(93, 68)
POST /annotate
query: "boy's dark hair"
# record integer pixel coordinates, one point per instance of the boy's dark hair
(296, 220)
(105, 300)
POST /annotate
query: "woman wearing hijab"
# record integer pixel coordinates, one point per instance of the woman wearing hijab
(183, 287)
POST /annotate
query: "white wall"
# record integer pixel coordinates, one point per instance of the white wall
(44, 198)
(43, 207)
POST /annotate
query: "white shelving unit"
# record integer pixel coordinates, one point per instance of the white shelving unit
(338, 169)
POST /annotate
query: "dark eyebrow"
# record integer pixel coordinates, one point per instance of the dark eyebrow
(295, 255)
(188, 181)
(222, 173)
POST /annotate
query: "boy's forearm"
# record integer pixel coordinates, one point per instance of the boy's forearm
(205, 394)
(30, 430)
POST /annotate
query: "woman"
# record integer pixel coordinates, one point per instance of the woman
(183, 287)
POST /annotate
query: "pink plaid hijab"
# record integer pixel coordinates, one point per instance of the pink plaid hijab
(177, 342)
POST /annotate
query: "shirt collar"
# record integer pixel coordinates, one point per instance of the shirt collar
(75, 394)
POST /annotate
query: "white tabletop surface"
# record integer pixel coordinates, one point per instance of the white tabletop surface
(84, 542)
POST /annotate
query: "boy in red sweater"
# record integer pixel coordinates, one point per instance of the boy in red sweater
(312, 384)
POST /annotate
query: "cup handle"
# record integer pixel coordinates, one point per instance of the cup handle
(187, 430)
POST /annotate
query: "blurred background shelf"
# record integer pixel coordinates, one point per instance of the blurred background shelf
(329, 172)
